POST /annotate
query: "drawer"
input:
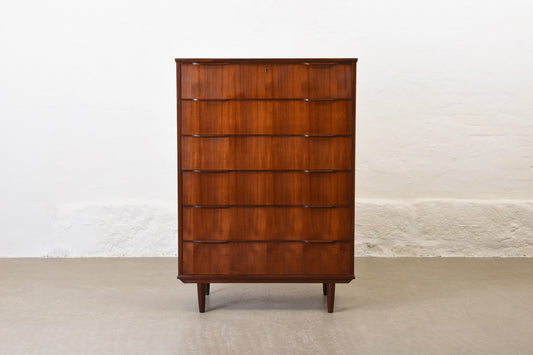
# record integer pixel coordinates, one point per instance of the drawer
(260, 258)
(266, 81)
(267, 188)
(271, 152)
(267, 223)
(266, 117)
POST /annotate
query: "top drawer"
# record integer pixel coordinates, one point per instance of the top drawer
(268, 81)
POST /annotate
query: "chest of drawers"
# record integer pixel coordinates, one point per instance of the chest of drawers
(266, 158)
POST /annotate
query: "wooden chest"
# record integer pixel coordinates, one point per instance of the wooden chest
(266, 157)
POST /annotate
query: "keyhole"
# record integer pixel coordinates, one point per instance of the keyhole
(266, 70)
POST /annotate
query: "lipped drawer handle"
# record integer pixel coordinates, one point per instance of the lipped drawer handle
(209, 241)
(197, 99)
(308, 100)
(319, 241)
(221, 63)
(330, 206)
(324, 135)
(210, 136)
(319, 171)
(212, 207)
(330, 64)
(212, 171)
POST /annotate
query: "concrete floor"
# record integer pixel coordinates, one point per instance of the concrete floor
(395, 306)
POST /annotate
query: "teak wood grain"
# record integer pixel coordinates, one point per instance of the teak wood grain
(266, 81)
(263, 258)
(266, 188)
(267, 117)
(266, 171)
(254, 153)
(273, 223)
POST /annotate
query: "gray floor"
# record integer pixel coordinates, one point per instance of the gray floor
(395, 306)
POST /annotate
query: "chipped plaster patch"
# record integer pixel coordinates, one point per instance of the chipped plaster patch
(451, 228)
(125, 228)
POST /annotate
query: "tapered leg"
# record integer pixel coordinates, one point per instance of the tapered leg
(325, 289)
(201, 297)
(331, 297)
(207, 289)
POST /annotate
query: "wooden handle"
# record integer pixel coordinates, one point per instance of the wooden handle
(330, 206)
(198, 206)
(307, 171)
(319, 241)
(208, 241)
(332, 99)
(210, 135)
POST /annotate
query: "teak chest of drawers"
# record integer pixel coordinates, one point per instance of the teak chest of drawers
(266, 158)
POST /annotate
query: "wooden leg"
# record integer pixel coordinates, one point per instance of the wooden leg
(331, 297)
(207, 289)
(325, 289)
(201, 297)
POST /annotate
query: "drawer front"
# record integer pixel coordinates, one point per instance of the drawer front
(267, 223)
(261, 258)
(267, 188)
(259, 153)
(266, 117)
(266, 81)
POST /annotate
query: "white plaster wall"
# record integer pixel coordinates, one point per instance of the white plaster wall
(87, 118)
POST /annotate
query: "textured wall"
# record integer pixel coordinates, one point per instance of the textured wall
(87, 118)
(384, 228)
(445, 228)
